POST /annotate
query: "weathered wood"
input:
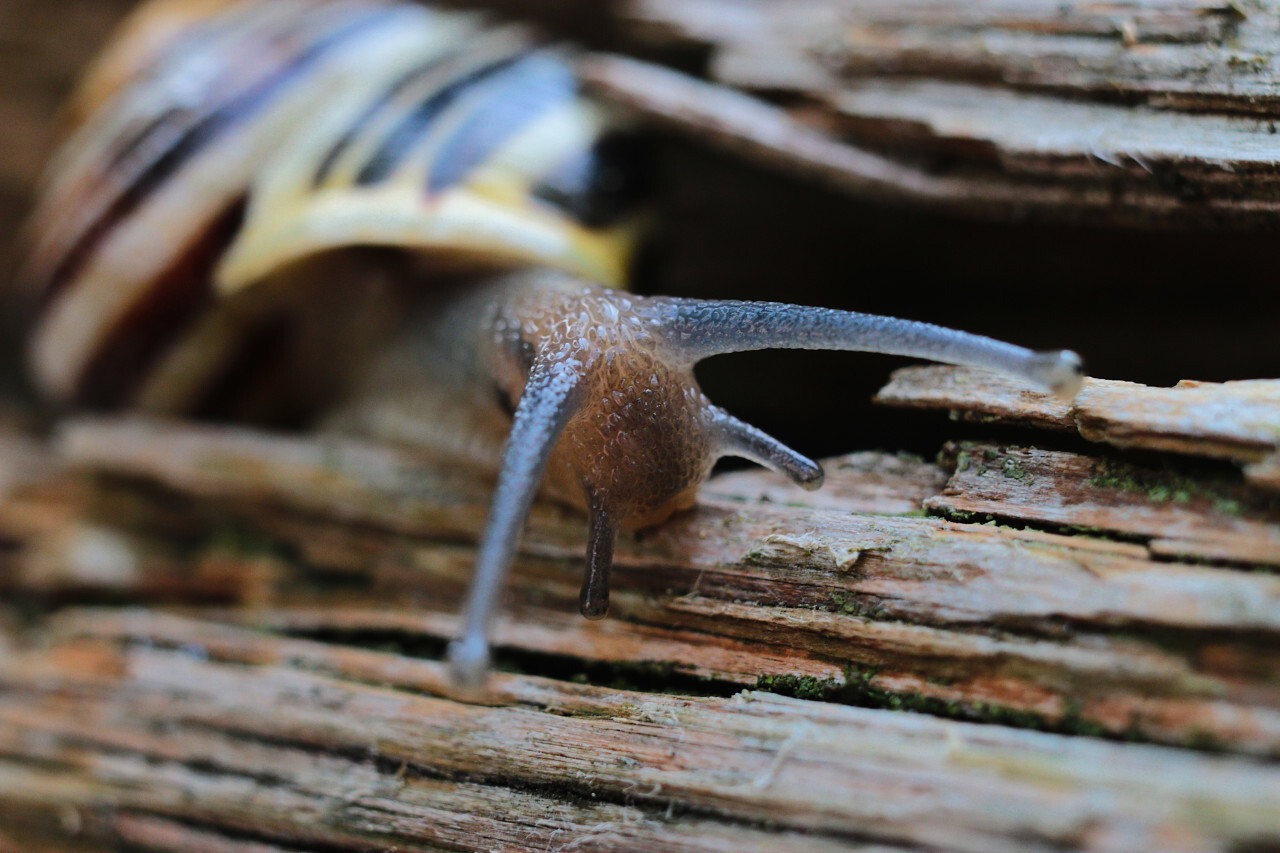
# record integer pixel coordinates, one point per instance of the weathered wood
(1265, 473)
(193, 734)
(1139, 112)
(873, 482)
(1230, 420)
(1166, 53)
(1239, 421)
(307, 742)
(1060, 631)
(1177, 515)
(978, 395)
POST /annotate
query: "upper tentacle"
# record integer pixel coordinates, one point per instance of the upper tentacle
(702, 328)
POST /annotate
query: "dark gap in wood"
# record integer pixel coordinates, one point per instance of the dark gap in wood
(641, 676)
(1015, 523)
(857, 691)
(34, 760)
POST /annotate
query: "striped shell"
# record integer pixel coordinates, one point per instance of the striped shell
(219, 145)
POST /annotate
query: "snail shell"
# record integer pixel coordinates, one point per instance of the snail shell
(243, 142)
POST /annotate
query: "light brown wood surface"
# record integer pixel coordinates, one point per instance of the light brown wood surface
(1009, 649)
(1135, 112)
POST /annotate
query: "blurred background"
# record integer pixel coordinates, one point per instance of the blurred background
(1149, 305)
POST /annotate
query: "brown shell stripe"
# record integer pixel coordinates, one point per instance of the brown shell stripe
(518, 95)
(162, 312)
(103, 171)
(197, 132)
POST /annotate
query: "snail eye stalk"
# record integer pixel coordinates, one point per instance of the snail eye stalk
(742, 439)
(699, 329)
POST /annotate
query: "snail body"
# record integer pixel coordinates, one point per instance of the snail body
(255, 187)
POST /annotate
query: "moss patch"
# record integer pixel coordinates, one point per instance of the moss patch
(853, 605)
(1166, 486)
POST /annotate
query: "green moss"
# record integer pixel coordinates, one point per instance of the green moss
(1089, 531)
(1166, 486)
(962, 516)
(1206, 742)
(1074, 722)
(859, 689)
(1254, 63)
(1012, 468)
(983, 459)
(242, 541)
(798, 686)
(969, 456)
(853, 605)
(1001, 715)
(1228, 506)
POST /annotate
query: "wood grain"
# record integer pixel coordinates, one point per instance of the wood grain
(1239, 421)
(193, 721)
(1138, 112)
(335, 539)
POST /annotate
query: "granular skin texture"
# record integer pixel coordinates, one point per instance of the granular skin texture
(641, 439)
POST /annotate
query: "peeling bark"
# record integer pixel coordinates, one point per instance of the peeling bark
(308, 743)
(1239, 421)
(333, 539)
(1134, 112)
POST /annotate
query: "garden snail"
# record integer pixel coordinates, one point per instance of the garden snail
(202, 241)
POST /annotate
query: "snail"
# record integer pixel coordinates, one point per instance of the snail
(255, 194)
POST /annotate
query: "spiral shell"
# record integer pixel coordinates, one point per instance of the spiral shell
(221, 145)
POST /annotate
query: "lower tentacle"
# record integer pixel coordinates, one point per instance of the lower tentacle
(593, 602)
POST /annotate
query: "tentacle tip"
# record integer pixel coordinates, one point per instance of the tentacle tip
(594, 610)
(469, 663)
(1062, 372)
(742, 439)
(811, 477)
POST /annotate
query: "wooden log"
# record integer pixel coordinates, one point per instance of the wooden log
(1142, 113)
(323, 575)
(310, 744)
(871, 482)
(1067, 632)
(1239, 421)
(1209, 518)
